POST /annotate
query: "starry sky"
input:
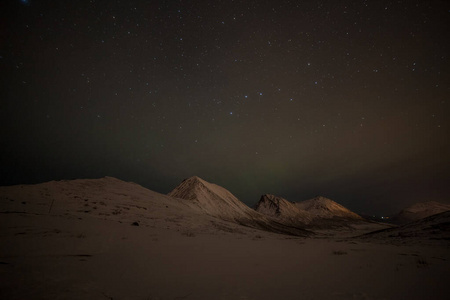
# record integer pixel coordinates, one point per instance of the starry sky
(345, 99)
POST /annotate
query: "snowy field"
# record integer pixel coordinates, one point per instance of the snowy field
(108, 239)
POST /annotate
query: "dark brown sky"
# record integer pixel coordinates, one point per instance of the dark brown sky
(345, 99)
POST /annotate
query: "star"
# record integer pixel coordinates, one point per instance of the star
(202, 68)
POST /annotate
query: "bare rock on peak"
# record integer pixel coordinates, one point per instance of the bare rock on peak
(317, 213)
(282, 209)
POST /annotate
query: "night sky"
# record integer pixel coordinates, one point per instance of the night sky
(344, 99)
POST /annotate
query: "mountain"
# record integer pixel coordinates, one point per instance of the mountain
(319, 214)
(324, 208)
(106, 198)
(110, 239)
(282, 210)
(419, 211)
(218, 202)
(210, 208)
(212, 199)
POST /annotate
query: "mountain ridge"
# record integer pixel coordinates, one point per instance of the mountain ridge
(419, 211)
(318, 212)
(322, 207)
(218, 202)
(282, 209)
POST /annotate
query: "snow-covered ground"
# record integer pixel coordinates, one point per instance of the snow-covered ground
(108, 239)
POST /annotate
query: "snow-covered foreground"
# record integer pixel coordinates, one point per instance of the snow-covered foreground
(79, 240)
(63, 258)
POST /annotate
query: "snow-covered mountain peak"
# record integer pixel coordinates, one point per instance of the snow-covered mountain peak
(282, 210)
(193, 181)
(209, 197)
(326, 208)
(270, 205)
(275, 200)
(216, 201)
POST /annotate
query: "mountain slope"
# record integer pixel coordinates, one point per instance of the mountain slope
(432, 228)
(211, 198)
(126, 202)
(216, 201)
(324, 208)
(419, 211)
(106, 198)
(282, 210)
(319, 214)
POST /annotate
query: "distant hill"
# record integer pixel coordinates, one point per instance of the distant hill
(435, 227)
(419, 211)
(319, 212)
(324, 208)
(108, 198)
